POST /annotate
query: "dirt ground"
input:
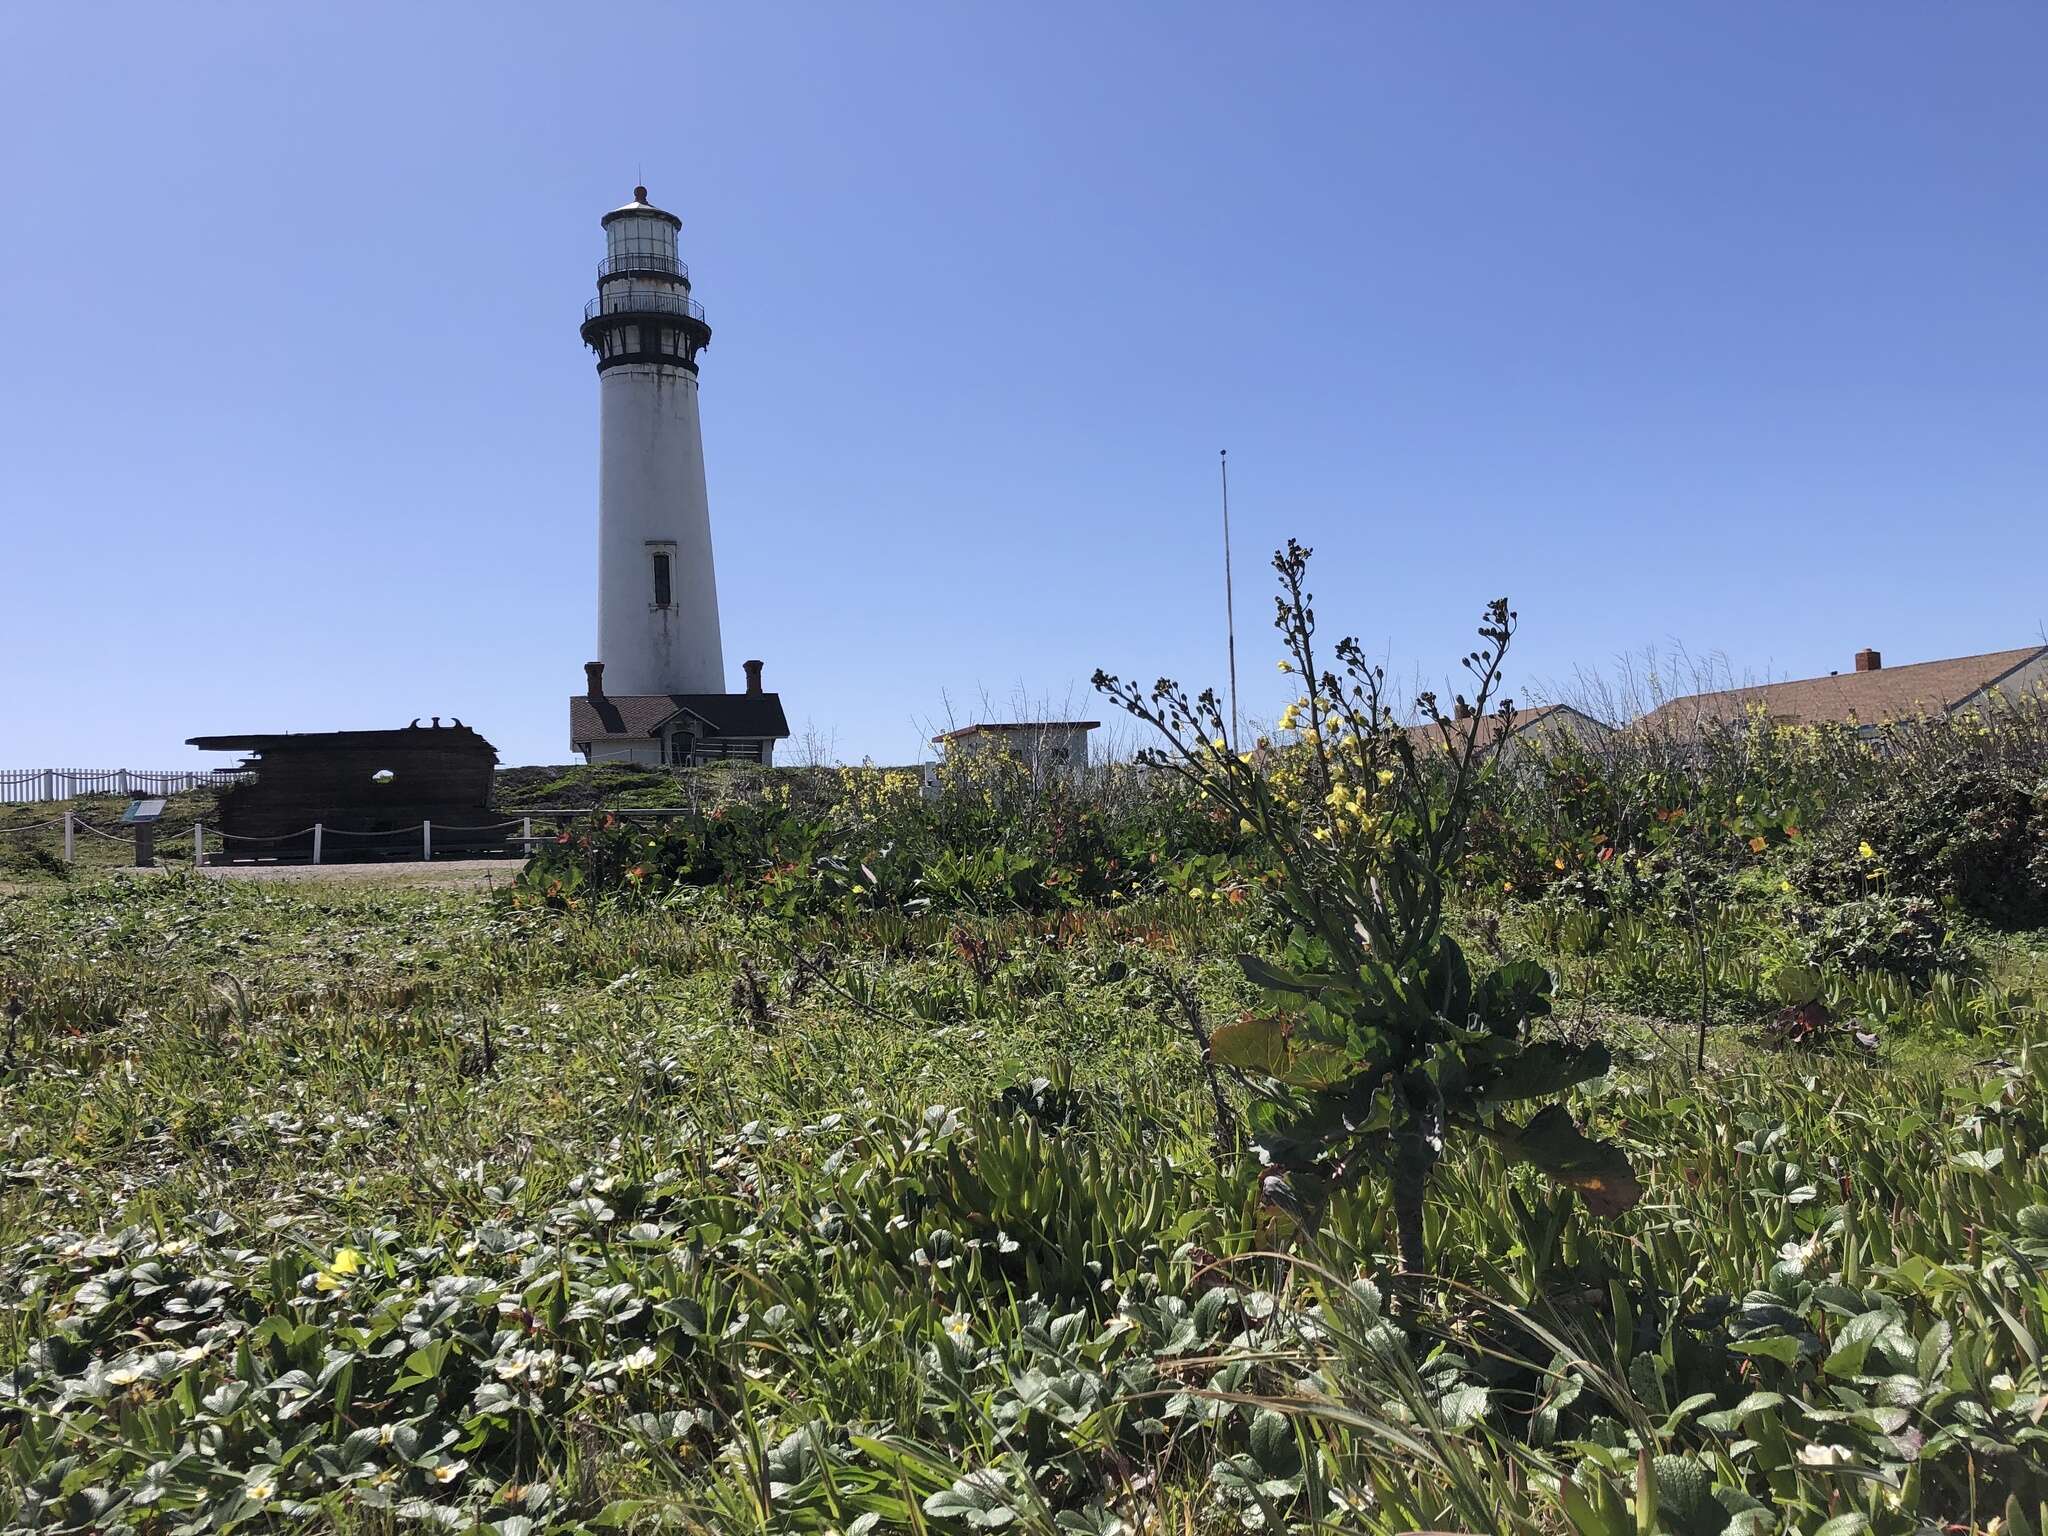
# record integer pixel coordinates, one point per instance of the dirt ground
(442, 874)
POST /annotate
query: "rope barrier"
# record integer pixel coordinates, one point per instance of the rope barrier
(237, 837)
(493, 827)
(35, 826)
(86, 826)
(392, 832)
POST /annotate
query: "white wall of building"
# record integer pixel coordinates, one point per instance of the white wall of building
(652, 499)
(648, 752)
(1040, 748)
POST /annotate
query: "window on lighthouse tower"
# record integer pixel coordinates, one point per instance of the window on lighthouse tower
(661, 581)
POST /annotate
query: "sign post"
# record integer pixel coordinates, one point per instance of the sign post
(143, 815)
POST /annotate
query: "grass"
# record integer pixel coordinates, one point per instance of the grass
(32, 836)
(362, 1207)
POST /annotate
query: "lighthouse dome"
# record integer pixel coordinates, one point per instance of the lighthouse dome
(640, 208)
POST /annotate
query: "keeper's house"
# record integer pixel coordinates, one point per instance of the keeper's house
(676, 729)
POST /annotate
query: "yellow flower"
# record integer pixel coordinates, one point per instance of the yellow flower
(333, 1276)
(1866, 850)
(1386, 776)
(1286, 666)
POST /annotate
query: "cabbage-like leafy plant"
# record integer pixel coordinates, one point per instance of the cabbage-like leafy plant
(1378, 1040)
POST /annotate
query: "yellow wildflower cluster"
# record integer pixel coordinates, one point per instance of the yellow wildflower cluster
(868, 793)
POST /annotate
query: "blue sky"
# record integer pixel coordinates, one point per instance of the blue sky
(1717, 324)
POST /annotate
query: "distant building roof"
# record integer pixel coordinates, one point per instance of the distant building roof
(1427, 738)
(750, 716)
(1023, 727)
(1865, 697)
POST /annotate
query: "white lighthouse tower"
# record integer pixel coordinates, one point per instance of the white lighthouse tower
(657, 592)
(657, 694)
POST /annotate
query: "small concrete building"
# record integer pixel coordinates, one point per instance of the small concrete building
(1046, 745)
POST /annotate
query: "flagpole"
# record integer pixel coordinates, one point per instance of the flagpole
(1229, 603)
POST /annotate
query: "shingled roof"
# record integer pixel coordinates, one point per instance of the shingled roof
(1428, 738)
(1919, 689)
(748, 716)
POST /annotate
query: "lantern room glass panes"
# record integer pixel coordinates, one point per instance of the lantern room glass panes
(637, 241)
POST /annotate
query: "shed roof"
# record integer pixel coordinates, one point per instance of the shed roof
(456, 737)
(1023, 727)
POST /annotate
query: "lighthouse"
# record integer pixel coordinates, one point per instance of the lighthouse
(656, 693)
(657, 591)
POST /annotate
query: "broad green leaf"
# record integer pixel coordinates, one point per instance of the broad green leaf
(1263, 973)
(1539, 1070)
(1254, 1043)
(1513, 992)
(1781, 1347)
(1598, 1170)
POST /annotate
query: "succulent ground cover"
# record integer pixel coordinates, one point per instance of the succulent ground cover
(378, 1209)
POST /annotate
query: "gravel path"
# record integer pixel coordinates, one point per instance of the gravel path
(462, 874)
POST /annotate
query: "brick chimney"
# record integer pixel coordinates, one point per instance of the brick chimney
(753, 671)
(1869, 661)
(594, 671)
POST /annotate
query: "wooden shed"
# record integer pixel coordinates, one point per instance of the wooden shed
(369, 791)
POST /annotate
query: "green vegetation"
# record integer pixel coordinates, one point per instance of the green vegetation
(32, 837)
(832, 1158)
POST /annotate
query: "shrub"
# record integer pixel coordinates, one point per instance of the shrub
(1379, 1041)
(1902, 936)
(1966, 833)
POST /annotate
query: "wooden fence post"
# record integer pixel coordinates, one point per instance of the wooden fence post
(426, 841)
(70, 839)
(198, 844)
(317, 830)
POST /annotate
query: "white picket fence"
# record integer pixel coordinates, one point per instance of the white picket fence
(26, 786)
